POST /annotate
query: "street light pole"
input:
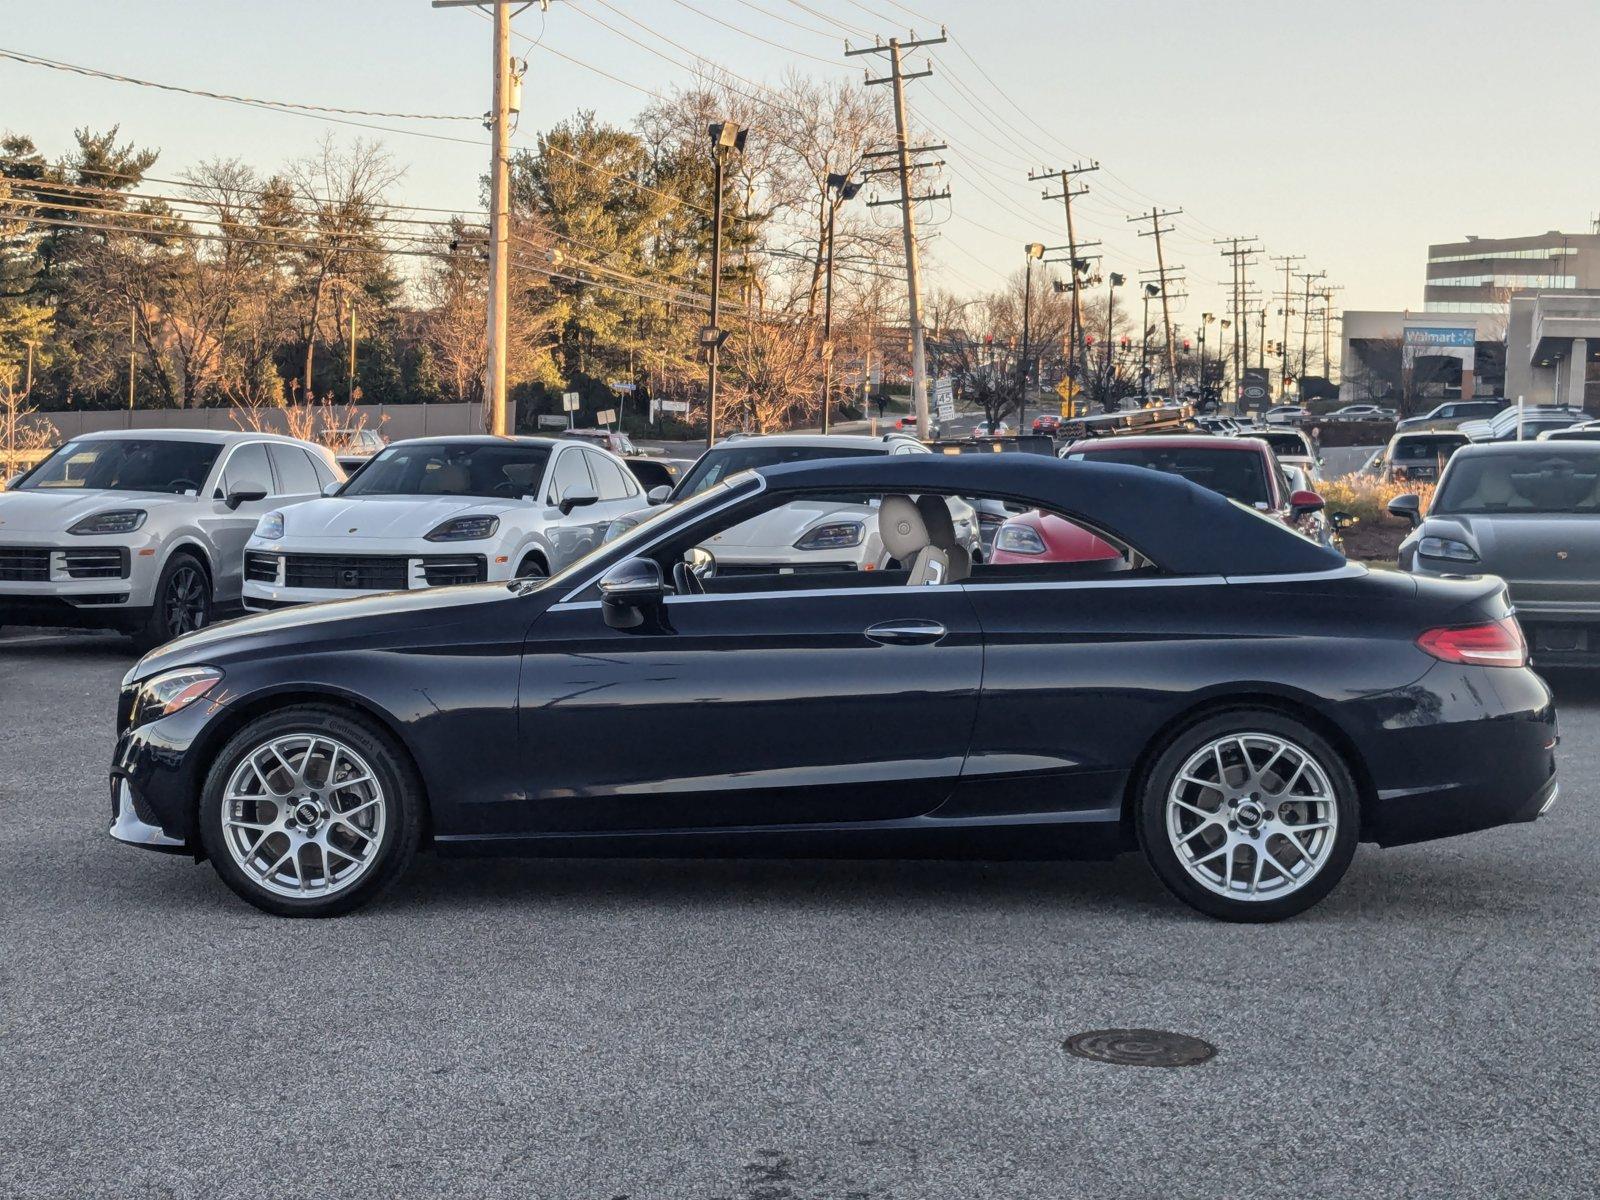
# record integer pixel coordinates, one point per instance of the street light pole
(847, 190)
(726, 136)
(1033, 250)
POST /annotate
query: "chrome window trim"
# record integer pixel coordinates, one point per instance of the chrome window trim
(1350, 570)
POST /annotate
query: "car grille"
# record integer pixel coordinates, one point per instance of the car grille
(259, 567)
(24, 563)
(381, 573)
(443, 570)
(111, 563)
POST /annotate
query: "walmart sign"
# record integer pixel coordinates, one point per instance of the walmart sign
(1464, 338)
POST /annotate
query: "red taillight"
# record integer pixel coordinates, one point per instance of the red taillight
(1492, 644)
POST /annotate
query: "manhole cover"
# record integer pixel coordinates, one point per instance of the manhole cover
(1139, 1048)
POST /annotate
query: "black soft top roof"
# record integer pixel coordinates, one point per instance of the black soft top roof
(1183, 527)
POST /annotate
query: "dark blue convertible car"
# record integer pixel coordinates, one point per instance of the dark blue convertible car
(1241, 705)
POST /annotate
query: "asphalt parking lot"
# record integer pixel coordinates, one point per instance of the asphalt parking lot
(777, 1031)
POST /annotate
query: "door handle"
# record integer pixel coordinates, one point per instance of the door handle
(906, 633)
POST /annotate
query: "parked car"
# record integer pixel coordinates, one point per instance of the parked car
(1417, 456)
(1242, 469)
(990, 429)
(1360, 412)
(1222, 426)
(826, 533)
(1237, 703)
(1527, 513)
(1452, 413)
(145, 532)
(613, 440)
(352, 447)
(1522, 423)
(1046, 423)
(653, 472)
(429, 512)
(1034, 536)
(1293, 449)
(1589, 431)
(1284, 414)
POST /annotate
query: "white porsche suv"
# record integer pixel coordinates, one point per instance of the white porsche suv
(144, 531)
(434, 511)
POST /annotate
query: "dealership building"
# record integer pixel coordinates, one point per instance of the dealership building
(1500, 317)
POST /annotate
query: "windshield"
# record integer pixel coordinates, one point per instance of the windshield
(1426, 449)
(507, 472)
(1284, 443)
(1237, 474)
(126, 465)
(1559, 482)
(727, 460)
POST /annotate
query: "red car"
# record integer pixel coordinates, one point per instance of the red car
(1047, 423)
(1044, 537)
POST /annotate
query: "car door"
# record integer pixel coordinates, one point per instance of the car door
(794, 707)
(228, 529)
(572, 535)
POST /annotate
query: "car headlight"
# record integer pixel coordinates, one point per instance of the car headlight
(619, 527)
(117, 520)
(465, 529)
(1442, 547)
(1018, 539)
(835, 535)
(270, 526)
(172, 691)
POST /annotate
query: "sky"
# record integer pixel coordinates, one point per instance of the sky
(1352, 133)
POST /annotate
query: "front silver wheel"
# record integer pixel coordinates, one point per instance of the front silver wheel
(1252, 816)
(303, 815)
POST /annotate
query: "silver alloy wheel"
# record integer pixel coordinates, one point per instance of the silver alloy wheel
(303, 815)
(1252, 816)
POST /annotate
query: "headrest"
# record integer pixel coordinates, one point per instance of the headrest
(900, 525)
(936, 516)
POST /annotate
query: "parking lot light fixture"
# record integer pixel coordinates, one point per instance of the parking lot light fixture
(726, 138)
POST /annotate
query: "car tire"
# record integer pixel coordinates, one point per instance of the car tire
(1248, 815)
(531, 567)
(289, 788)
(182, 602)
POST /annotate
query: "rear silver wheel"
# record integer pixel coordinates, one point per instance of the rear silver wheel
(1252, 816)
(303, 815)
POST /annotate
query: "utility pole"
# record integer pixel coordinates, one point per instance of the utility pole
(350, 381)
(1288, 261)
(1305, 321)
(1074, 319)
(1033, 250)
(1155, 217)
(847, 190)
(1238, 253)
(902, 153)
(506, 101)
(1327, 323)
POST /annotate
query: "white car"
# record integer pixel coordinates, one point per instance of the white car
(825, 534)
(1284, 414)
(145, 531)
(434, 511)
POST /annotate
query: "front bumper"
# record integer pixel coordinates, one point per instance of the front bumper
(129, 827)
(156, 775)
(275, 575)
(44, 580)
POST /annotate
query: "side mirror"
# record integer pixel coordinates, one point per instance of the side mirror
(628, 588)
(245, 493)
(1407, 506)
(659, 494)
(331, 489)
(1342, 520)
(1304, 502)
(577, 497)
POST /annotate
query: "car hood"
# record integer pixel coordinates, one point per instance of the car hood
(397, 517)
(1526, 546)
(304, 627)
(783, 526)
(56, 510)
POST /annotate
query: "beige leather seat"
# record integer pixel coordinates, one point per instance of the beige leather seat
(905, 537)
(450, 479)
(935, 512)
